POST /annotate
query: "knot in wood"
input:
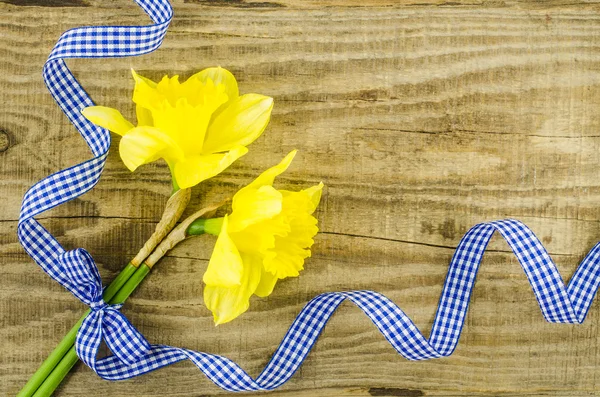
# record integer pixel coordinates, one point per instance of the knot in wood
(4, 141)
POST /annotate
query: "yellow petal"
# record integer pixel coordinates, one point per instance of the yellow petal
(314, 196)
(143, 80)
(226, 303)
(203, 93)
(259, 237)
(108, 118)
(268, 176)
(143, 145)
(225, 266)
(145, 93)
(144, 116)
(220, 76)
(241, 123)
(195, 169)
(253, 206)
(266, 284)
(304, 201)
(197, 92)
(170, 89)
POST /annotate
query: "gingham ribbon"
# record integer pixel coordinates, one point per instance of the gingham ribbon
(559, 304)
(76, 270)
(133, 356)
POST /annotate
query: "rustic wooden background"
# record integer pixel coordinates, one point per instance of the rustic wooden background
(421, 117)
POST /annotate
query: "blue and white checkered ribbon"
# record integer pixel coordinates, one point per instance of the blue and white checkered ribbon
(76, 270)
(133, 355)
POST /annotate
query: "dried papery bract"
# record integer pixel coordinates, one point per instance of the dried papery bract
(179, 233)
(173, 211)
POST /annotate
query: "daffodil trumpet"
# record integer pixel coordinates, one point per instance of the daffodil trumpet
(266, 238)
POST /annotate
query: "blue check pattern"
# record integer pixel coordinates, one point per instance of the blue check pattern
(133, 355)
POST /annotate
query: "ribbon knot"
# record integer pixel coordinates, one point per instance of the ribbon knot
(98, 305)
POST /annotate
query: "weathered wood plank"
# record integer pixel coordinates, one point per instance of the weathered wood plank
(421, 120)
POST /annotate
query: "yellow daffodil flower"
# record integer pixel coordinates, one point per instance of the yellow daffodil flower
(266, 238)
(200, 127)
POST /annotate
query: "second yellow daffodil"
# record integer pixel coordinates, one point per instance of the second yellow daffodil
(266, 238)
(199, 127)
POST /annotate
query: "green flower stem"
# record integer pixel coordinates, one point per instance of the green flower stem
(63, 347)
(45, 385)
(208, 226)
(67, 362)
(131, 285)
(175, 187)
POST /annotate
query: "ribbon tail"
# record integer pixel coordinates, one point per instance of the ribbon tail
(88, 339)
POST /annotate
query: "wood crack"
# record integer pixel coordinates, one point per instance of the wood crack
(448, 247)
(475, 132)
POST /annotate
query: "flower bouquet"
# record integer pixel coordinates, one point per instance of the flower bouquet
(199, 128)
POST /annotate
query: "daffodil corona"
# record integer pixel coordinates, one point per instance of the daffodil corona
(266, 238)
(199, 127)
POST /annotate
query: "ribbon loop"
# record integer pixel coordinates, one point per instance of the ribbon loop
(82, 272)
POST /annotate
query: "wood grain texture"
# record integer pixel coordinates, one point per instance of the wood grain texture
(421, 117)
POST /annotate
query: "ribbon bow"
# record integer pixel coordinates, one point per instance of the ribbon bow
(104, 321)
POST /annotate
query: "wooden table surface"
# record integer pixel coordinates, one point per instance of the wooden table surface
(422, 118)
